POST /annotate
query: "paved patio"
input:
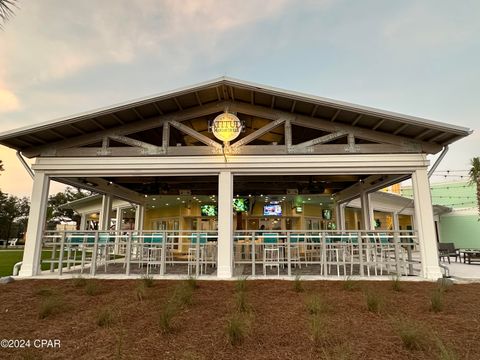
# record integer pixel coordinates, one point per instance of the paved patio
(463, 271)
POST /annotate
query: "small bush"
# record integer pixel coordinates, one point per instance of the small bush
(236, 330)
(191, 282)
(397, 284)
(413, 335)
(49, 306)
(444, 352)
(317, 329)
(140, 291)
(91, 288)
(436, 300)
(105, 317)
(165, 319)
(298, 285)
(79, 282)
(349, 284)
(315, 305)
(241, 284)
(147, 280)
(374, 301)
(183, 295)
(241, 302)
(44, 292)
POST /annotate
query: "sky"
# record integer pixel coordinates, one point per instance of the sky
(58, 58)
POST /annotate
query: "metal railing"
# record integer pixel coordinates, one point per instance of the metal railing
(195, 253)
(131, 252)
(327, 253)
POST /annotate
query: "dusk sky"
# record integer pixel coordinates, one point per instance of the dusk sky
(61, 57)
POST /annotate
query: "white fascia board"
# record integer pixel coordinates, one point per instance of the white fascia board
(245, 165)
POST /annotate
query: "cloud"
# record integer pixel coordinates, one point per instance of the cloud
(8, 101)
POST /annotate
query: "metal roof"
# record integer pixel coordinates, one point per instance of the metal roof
(229, 89)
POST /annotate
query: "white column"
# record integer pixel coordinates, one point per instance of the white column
(424, 225)
(36, 225)
(118, 219)
(340, 214)
(83, 221)
(225, 225)
(396, 221)
(367, 211)
(105, 213)
(139, 216)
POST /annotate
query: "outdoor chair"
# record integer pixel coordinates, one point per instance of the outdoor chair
(447, 250)
(295, 249)
(271, 252)
(194, 252)
(12, 242)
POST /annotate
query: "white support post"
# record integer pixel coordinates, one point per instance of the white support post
(139, 216)
(83, 221)
(367, 211)
(118, 229)
(340, 215)
(225, 225)
(105, 213)
(36, 225)
(396, 221)
(424, 225)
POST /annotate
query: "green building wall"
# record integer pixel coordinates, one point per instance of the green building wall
(462, 230)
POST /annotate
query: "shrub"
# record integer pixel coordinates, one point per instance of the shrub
(192, 282)
(349, 284)
(183, 295)
(165, 319)
(241, 284)
(315, 305)
(413, 335)
(444, 352)
(241, 302)
(317, 329)
(105, 317)
(79, 281)
(236, 330)
(50, 305)
(44, 292)
(140, 291)
(374, 301)
(297, 284)
(147, 280)
(436, 300)
(91, 288)
(397, 284)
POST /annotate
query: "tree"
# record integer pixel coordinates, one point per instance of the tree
(474, 174)
(6, 10)
(56, 213)
(13, 216)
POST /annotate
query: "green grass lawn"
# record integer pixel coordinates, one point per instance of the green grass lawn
(8, 258)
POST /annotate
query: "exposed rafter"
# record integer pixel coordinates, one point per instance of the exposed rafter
(257, 133)
(319, 140)
(200, 137)
(126, 129)
(326, 125)
(148, 148)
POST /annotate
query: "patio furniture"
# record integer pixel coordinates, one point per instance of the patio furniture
(271, 252)
(447, 250)
(295, 249)
(12, 242)
(471, 255)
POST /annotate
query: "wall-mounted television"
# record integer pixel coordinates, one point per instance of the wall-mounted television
(240, 205)
(272, 210)
(327, 214)
(209, 210)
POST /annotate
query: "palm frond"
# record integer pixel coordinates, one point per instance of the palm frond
(6, 10)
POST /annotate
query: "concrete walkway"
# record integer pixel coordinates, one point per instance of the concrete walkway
(463, 271)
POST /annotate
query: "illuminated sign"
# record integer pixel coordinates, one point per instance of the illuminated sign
(226, 127)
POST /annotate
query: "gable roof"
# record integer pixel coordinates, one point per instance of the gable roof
(225, 88)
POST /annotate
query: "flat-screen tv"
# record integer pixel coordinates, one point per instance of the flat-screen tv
(327, 214)
(209, 210)
(272, 210)
(240, 204)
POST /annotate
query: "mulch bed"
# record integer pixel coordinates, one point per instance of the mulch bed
(279, 321)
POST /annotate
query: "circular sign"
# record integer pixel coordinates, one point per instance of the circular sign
(226, 127)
